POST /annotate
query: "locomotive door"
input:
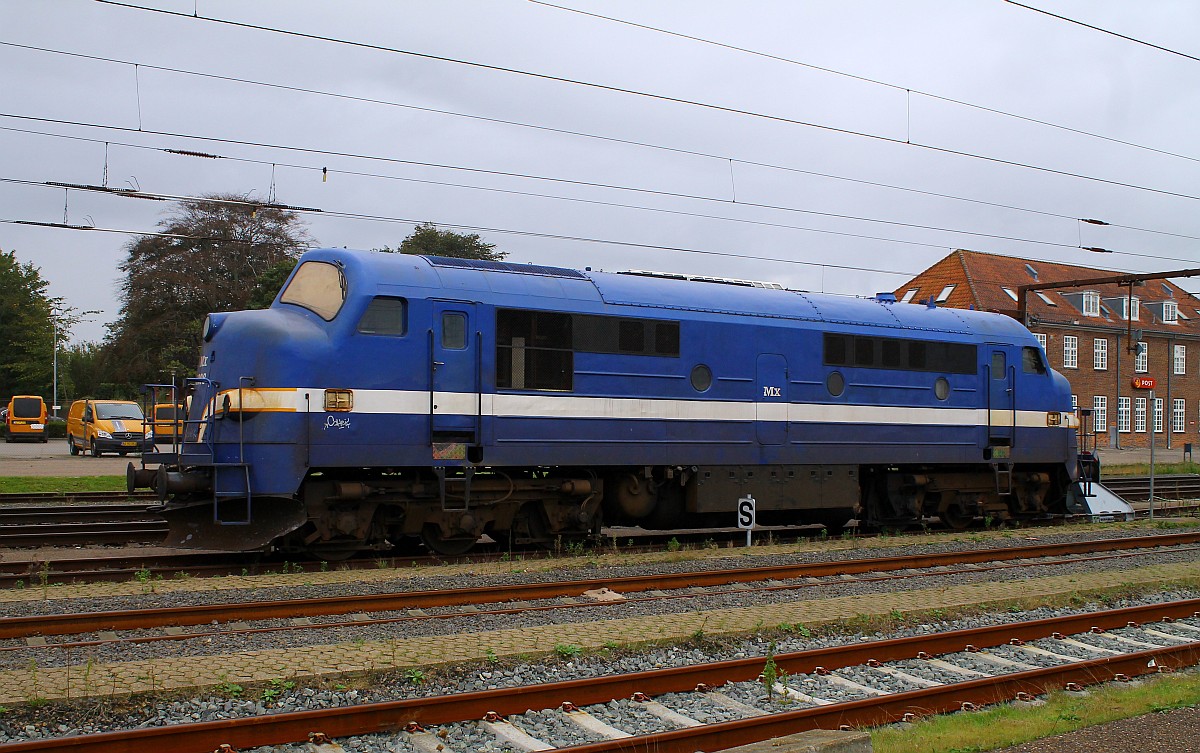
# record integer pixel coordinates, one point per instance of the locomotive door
(1001, 401)
(771, 402)
(454, 398)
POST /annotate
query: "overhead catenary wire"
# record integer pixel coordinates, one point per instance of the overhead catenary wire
(139, 194)
(480, 228)
(730, 160)
(649, 95)
(908, 90)
(1093, 27)
(325, 171)
(762, 223)
(577, 133)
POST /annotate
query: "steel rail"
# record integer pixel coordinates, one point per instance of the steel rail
(871, 712)
(27, 515)
(81, 533)
(14, 498)
(523, 609)
(64, 624)
(283, 728)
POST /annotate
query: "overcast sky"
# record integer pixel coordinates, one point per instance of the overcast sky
(715, 185)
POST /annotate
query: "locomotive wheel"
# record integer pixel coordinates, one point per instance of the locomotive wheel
(955, 517)
(431, 537)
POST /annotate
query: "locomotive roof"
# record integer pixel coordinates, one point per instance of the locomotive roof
(510, 284)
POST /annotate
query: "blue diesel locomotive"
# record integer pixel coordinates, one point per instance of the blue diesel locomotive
(385, 396)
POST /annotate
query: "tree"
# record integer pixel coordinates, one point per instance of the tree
(26, 332)
(269, 284)
(212, 255)
(427, 239)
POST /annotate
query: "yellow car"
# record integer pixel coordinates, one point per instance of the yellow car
(100, 426)
(25, 419)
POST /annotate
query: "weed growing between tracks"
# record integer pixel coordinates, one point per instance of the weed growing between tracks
(1009, 724)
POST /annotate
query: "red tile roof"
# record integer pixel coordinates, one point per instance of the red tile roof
(980, 280)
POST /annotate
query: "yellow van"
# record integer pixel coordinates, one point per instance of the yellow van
(100, 426)
(168, 422)
(26, 419)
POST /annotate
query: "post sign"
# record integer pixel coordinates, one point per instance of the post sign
(1143, 383)
(745, 515)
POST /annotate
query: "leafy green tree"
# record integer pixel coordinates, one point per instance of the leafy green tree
(269, 284)
(26, 331)
(213, 256)
(428, 240)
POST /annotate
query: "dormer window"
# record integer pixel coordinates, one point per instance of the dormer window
(1011, 293)
(1046, 299)
(1132, 308)
(945, 294)
(1091, 304)
(1170, 312)
(908, 295)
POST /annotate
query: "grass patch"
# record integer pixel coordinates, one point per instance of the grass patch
(1143, 469)
(1008, 725)
(62, 484)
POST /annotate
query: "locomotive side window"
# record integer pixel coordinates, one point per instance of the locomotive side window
(454, 330)
(894, 353)
(1031, 361)
(625, 336)
(998, 368)
(317, 286)
(533, 350)
(385, 316)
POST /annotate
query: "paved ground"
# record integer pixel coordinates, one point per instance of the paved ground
(53, 459)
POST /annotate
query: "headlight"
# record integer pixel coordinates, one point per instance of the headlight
(104, 435)
(150, 434)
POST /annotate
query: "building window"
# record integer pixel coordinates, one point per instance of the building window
(908, 296)
(1099, 413)
(1011, 293)
(1178, 406)
(1123, 414)
(945, 294)
(1100, 354)
(1139, 415)
(1170, 312)
(1045, 298)
(1180, 359)
(1074, 403)
(1070, 352)
(1041, 338)
(1158, 415)
(1091, 304)
(1141, 362)
(1132, 307)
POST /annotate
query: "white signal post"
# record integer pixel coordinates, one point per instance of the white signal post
(745, 516)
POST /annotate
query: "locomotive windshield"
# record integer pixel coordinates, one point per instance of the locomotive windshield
(317, 286)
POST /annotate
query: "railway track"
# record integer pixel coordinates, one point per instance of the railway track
(1137, 488)
(853, 686)
(401, 607)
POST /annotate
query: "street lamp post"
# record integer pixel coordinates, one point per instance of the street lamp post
(68, 317)
(54, 396)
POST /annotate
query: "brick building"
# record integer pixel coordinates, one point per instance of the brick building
(1091, 335)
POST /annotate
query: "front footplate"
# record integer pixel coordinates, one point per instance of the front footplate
(192, 525)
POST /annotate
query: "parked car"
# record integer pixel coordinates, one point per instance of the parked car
(100, 426)
(25, 419)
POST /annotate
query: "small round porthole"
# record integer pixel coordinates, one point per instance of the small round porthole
(835, 383)
(941, 388)
(701, 377)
